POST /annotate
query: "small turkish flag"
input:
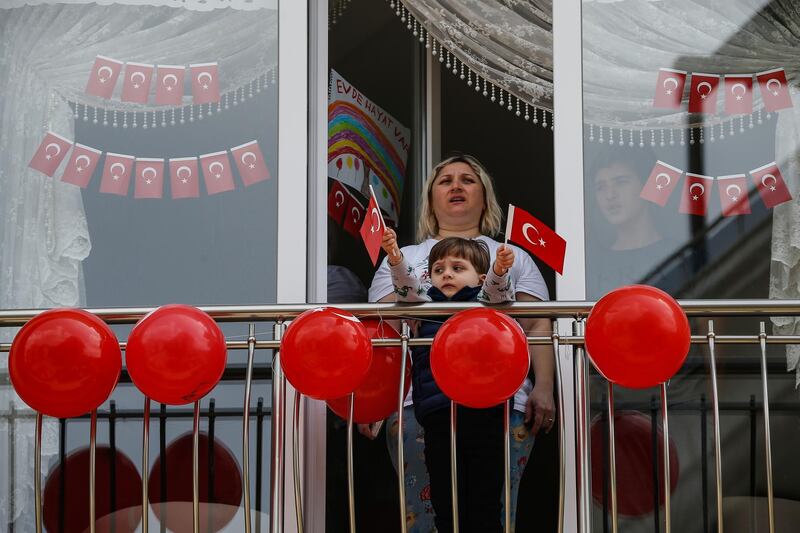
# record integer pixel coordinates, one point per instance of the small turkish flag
(372, 229)
(669, 88)
(733, 195)
(103, 77)
(771, 185)
(337, 201)
(81, 165)
(703, 93)
(774, 89)
(136, 83)
(205, 83)
(662, 181)
(739, 95)
(117, 172)
(354, 216)
(250, 162)
(52, 150)
(184, 177)
(695, 194)
(169, 84)
(217, 172)
(527, 231)
(149, 178)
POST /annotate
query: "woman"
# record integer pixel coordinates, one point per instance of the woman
(459, 201)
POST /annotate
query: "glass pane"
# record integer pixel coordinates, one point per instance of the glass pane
(689, 135)
(138, 167)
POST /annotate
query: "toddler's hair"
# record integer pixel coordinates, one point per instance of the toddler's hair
(474, 251)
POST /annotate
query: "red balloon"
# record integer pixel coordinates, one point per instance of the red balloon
(227, 487)
(326, 353)
(637, 336)
(376, 397)
(74, 475)
(176, 354)
(634, 455)
(479, 357)
(65, 362)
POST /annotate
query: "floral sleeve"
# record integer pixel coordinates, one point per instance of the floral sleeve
(496, 289)
(407, 285)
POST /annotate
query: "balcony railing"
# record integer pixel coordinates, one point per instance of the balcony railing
(568, 320)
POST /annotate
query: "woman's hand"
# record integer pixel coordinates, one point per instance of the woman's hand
(389, 245)
(503, 260)
(540, 409)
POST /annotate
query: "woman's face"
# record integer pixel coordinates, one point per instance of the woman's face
(457, 196)
(617, 189)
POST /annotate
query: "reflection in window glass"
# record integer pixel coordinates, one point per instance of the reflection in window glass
(690, 181)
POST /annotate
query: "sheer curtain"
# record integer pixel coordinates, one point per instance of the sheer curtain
(46, 54)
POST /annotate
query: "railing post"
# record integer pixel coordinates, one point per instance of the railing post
(762, 337)
(251, 349)
(562, 428)
(717, 439)
(582, 466)
(278, 428)
(405, 334)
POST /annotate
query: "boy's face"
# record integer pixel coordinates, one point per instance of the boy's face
(451, 274)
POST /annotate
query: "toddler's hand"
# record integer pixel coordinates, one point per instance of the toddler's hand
(389, 245)
(503, 260)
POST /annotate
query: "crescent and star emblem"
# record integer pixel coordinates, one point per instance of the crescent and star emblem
(172, 77)
(776, 82)
(700, 86)
(738, 86)
(527, 226)
(135, 75)
(48, 155)
(116, 175)
(735, 195)
(376, 217)
(337, 196)
(244, 159)
(184, 179)
(765, 178)
(667, 180)
(670, 81)
(78, 165)
(202, 76)
(700, 186)
(149, 171)
(214, 165)
(104, 68)
(356, 214)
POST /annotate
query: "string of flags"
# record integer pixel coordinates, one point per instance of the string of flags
(149, 174)
(733, 189)
(737, 90)
(139, 77)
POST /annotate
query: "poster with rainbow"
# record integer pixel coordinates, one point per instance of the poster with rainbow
(366, 145)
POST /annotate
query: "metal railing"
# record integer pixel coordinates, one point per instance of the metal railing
(575, 311)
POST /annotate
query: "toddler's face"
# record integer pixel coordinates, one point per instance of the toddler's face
(451, 274)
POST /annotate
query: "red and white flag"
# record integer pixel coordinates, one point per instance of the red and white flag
(217, 172)
(184, 177)
(662, 181)
(117, 171)
(774, 89)
(136, 83)
(149, 181)
(703, 93)
(51, 152)
(694, 199)
(354, 216)
(81, 165)
(337, 201)
(738, 95)
(169, 84)
(205, 83)
(372, 228)
(103, 77)
(669, 88)
(527, 231)
(771, 185)
(250, 162)
(733, 195)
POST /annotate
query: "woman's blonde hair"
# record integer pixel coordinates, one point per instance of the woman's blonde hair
(491, 218)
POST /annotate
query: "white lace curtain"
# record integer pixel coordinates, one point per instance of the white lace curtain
(46, 55)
